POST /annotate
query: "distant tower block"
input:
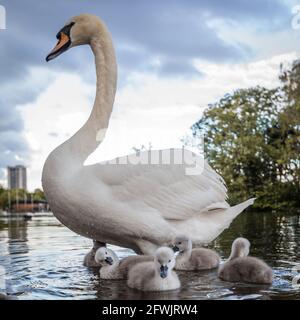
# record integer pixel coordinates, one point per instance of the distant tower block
(17, 177)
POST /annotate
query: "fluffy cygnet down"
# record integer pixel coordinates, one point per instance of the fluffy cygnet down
(89, 259)
(112, 268)
(193, 259)
(241, 268)
(157, 275)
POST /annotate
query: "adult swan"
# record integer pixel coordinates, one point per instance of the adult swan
(139, 206)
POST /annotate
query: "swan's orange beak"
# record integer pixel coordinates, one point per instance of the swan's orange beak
(63, 45)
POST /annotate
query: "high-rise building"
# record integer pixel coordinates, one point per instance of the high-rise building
(17, 177)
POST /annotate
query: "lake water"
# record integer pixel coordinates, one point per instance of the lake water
(43, 260)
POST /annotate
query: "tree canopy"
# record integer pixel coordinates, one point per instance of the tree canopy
(8, 197)
(252, 138)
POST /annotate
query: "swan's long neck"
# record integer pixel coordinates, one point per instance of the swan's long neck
(87, 139)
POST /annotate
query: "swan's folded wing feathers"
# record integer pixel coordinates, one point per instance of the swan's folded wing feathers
(165, 188)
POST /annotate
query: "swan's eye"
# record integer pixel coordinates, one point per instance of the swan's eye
(169, 261)
(179, 242)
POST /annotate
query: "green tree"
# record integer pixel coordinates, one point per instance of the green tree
(8, 197)
(39, 195)
(290, 124)
(252, 139)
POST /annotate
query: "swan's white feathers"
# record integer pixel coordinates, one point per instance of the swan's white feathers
(149, 195)
(166, 189)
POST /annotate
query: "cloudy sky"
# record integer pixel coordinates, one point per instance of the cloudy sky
(174, 58)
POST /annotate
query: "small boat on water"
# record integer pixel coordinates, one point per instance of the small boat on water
(27, 216)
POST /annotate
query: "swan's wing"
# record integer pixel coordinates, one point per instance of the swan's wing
(170, 188)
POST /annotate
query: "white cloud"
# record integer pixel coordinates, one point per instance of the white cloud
(262, 44)
(52, 117)
(147, 109)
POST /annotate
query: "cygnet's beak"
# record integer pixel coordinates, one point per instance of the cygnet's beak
(164, 271)
(175, 249)
(109, 260)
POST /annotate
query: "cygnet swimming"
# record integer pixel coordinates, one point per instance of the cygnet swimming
(242, 268)
(157, 275)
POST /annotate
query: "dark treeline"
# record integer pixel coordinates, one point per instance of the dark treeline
(8, 197)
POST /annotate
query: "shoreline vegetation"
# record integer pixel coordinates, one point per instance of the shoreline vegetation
(252, 138)
(20, 200)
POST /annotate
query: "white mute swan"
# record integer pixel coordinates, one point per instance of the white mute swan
(112, 267)
(194, 259)
(139, 206)
(157, 275)
(240, 267)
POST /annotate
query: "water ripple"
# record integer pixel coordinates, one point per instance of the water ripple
(43, 260)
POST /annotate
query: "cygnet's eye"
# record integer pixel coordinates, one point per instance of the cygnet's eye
(179, 242)
(169, 261)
